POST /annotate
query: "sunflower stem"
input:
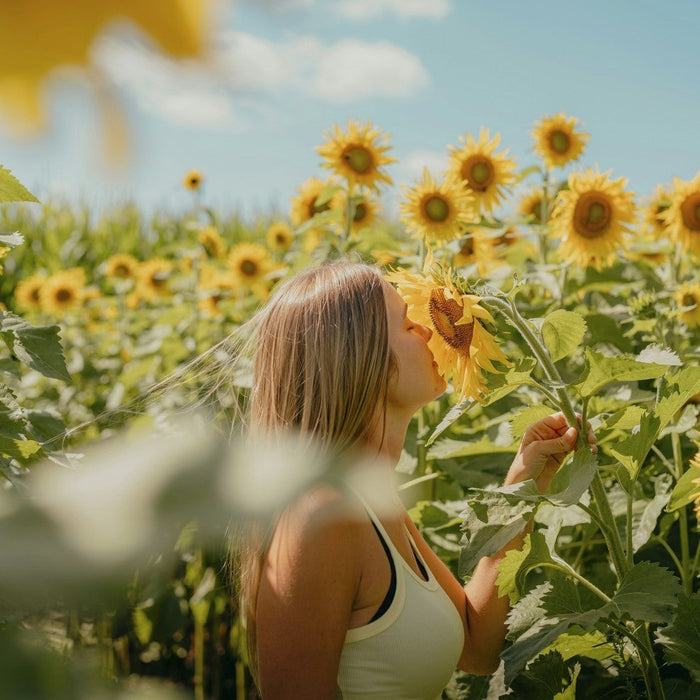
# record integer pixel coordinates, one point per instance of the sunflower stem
(686, 573)
(607, 519)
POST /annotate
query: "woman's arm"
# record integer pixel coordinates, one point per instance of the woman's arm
(308, 585)
(543, 448)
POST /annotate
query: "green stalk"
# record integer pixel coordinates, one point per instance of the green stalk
(628, 527)
(610, 532)
(682, 519)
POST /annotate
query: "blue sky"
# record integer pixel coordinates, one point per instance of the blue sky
(425, 71)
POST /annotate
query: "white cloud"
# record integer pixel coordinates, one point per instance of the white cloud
(411, 165)
(404, 9)
(353, 69)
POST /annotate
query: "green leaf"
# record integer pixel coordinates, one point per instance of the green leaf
(12, 190)
(592, 645)
(676, 389)
(36, 347)
(647, 592)
(573, 479)
(602, 370)
(513, 378)
(632, 451)
(545, 678)
(19, 449)
(449, 448)
(12, 421)
(449, 418)
(527, 417)
(685, 490)
(563, 332)
(681, 639)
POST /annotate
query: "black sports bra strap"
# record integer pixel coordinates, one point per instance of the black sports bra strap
(389, 597)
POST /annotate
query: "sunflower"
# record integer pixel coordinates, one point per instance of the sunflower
(212, 242)
(476, 248)
(358, 155)
(436, 210)
(279, 236)
(688, 295)
(591, 218)
(683, 215)
(121, 265)
(249, 262)
(62, 291)
(304, 205)
(461, 345)
(487, 175)
(558, 141)
(152, 278)
(4, 250)
(365, 213)
(653, 225)
(530, 206)
(193, 180)
(27, 292)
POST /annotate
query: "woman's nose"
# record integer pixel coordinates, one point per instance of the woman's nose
(427, 332)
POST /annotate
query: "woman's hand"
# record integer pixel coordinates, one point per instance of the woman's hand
(542, 450)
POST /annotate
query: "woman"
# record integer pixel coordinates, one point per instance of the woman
(344, 597)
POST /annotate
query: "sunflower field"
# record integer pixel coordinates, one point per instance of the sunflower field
(548, 286)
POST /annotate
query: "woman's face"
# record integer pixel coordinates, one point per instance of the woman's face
(416, 380)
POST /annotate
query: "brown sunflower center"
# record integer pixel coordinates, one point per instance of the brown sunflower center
(34, 294)
(158, 280)
(592, 215)
(358, 159)
(467, 247)
(536, 211)
(559, 141)
(248, 267)
(281, 238)
(445, 313)
(478, 171)
(689, 299)
(361, 212)
(690, 211)
(122, 270)
(436, 208)
(63, 295)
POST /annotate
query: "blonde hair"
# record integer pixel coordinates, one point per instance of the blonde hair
(321, 370)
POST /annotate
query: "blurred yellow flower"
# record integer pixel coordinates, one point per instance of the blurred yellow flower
(212, 242)
(557, 140)
(249, 262)
(152, 277)
(653, 225)
(358, 154)
(27, 292)
(487, 175)
(39, 35)
(304, 205)
(460, 343)
(193, 180)
(279, 236)
(62, 291)
(530, 206)
(687, 296)
(436, 210)
(683, 214)
(366, 212)
(695, 466)
(591, 218)
(121, 265)
(476, 248)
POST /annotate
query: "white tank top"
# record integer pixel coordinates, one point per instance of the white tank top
(409, 652)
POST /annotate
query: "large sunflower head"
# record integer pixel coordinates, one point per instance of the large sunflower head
(592, 217)
(306, 204)
(358, 155)
(62, 291)
(152, 279)
(28, 292)
(687, 296)
(279, 236)
(558, 141)
(683, 215)
(462, 346)
(436, 210)
(121, 265)
(249, 262)
(487, 175)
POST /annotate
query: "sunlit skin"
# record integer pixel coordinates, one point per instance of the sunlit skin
(326, 571)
